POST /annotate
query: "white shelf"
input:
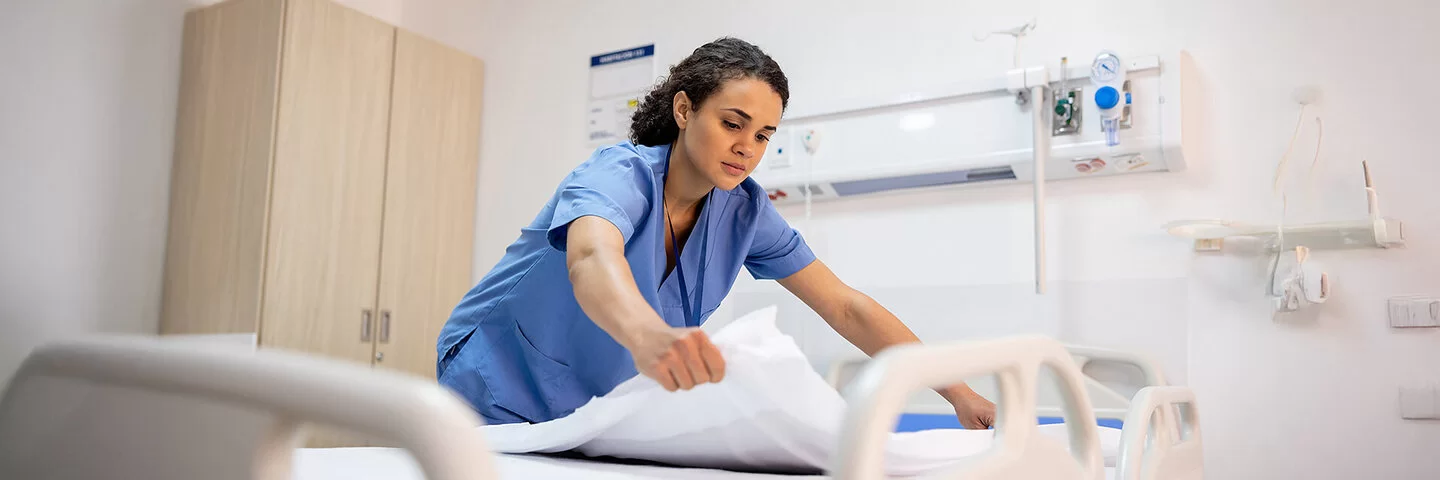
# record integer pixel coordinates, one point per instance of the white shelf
(1375, 232)
(1378, 232)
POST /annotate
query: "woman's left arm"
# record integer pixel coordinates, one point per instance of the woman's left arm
(872, 328)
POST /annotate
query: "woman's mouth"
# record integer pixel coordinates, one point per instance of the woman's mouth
(733, 169)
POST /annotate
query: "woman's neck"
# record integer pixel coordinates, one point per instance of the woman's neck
(684, 186)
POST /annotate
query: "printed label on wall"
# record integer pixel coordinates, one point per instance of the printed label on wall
(618, 80)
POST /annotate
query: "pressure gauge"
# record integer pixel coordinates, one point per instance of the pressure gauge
(1105, 69)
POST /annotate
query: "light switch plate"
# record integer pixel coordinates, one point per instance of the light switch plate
(1419, 403)
(1414, 312)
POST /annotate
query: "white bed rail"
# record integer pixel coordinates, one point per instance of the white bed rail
(432, 423)
(878, 393)
(1085, 354)
(1165, 455)
(1153, 376)
(841, 372)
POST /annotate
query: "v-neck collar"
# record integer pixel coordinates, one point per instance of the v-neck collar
(688, 251)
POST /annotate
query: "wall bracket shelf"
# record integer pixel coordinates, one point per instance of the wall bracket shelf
(1374, 232)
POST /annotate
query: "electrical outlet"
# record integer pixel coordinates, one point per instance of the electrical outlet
(1414, 312)
(1419, 403)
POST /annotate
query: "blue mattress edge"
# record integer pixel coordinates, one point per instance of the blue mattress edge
(914, 422)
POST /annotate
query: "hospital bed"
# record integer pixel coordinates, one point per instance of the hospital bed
(173, 410)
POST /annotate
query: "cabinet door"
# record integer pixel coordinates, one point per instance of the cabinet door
(220, 181)
(429, 199)
(323, 253)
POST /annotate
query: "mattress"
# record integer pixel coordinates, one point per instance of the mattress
(397, 464)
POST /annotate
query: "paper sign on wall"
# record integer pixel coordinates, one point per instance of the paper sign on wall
(618, 80)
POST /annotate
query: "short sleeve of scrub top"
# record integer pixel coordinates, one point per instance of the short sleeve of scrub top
(611, 188)
(777, 251)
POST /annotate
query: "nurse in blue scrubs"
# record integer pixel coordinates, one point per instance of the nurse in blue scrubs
(636, 248)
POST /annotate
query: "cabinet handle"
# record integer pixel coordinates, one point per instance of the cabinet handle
(384, 326)
(366, 324)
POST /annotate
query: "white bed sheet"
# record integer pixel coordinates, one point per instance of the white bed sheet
(396, 464)
(772, 413)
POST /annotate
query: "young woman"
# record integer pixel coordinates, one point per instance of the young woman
(639, 244)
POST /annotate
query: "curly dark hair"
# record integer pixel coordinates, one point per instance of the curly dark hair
(700, 75)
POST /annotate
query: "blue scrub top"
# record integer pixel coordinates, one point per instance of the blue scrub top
(519, 348)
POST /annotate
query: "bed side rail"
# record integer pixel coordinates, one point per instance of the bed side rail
(878, 393)
(1154, 450)
(436, 427)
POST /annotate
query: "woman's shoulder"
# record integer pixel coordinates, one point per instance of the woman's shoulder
(626, 155)
(620, 165)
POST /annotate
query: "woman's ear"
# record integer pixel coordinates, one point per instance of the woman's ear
(682, 109)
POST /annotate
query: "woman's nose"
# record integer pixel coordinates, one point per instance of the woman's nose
(745, 151)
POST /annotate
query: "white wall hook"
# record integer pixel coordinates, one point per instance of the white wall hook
(1017, 33)
(1298, 281)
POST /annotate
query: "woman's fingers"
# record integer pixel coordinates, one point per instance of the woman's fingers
(666, 378)
(685, 380)
(692, 351)
(714, 362)
(683, 360)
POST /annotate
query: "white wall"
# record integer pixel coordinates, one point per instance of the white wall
(1303, 398)
(86, 131)
(87, 121)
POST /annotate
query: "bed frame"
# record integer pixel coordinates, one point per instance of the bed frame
(1160, 440)
(433, 424)
(291, 390)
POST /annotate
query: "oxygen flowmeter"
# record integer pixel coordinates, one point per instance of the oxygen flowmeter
(1111, 97)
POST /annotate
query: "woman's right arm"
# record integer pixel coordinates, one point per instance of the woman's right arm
(677, 358)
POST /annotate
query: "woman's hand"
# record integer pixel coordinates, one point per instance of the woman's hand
(974, 411)
(677, 358)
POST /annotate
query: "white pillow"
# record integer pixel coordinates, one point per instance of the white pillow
(772, 412)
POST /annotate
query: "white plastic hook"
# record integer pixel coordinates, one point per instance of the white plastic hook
(1015, 33)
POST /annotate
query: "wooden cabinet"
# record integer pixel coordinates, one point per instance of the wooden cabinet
(323, 192)
(429, 188)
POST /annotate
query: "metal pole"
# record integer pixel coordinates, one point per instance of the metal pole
(1039, 107)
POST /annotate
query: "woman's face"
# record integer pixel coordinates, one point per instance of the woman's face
(726, 136)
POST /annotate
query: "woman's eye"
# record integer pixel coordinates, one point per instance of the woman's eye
(762, 138)
(732, 125)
